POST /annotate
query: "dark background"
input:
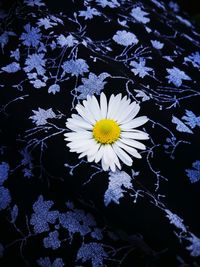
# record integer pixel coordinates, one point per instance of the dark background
(192, 7)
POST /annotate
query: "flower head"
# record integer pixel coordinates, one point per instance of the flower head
(106, 131)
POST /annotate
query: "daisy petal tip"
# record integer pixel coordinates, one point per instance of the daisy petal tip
(129, 163)
(113, 168)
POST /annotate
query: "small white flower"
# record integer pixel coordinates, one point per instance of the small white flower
(106, 131)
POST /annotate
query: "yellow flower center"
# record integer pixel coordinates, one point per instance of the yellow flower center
(106, 131)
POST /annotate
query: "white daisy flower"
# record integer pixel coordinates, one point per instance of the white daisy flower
(106, 131)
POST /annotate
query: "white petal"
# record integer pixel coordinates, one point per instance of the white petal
(134, 123)
(132, 151)
(93, 149)
(133, 143)
(113, 106)
(75, 139)
(112, 167)
(78, 121)
(85, 113)
(90, 152)
(104, 165)
(122, 155)
(96, 108)
(123, 105)
(87, 104)
(115, 158)
(78, 135)
(107, 159)
(90, 158)
(103, 105)
(73, 127)
(82, 155)
(134, 108)
(110, 105)
(106, 155)
(124, 112)
(136, 134)
(93, 107)
(99, 154)
(81, 146)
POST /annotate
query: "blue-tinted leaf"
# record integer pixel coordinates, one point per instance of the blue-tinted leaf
(117, 182)
(12, 67)
(194, 174)
(180, 126)
(4, 170)
(14, 213)
(5, 198)
(191, 119)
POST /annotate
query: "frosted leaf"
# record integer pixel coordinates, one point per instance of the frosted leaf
(125, 38)
(93, 252)
(15, 54)
(176, 76)
(45, 262)
(194, 58)
(4, 38)
(117, 182)
(194, 174)
(174, 6)
(4, 170)
(89, 13)
(34, 2)
(191, 119)
(42, 217)
(75, 67)
(156, 44)
(97, 234)
(138, 14)
(194, 247)
(12, 67)
(77, 221)
(109, 3)
(5, 198)
(41, 116)
(46, 23)
(142, 94)
(14, 213)
(52, 241)
(180, 126)
(139, 68)
(68, 41)
(35, 62)
(31, 36)
(27, 173)
(55, 88)
(38, 83)
(175, 220)
(93, 85)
